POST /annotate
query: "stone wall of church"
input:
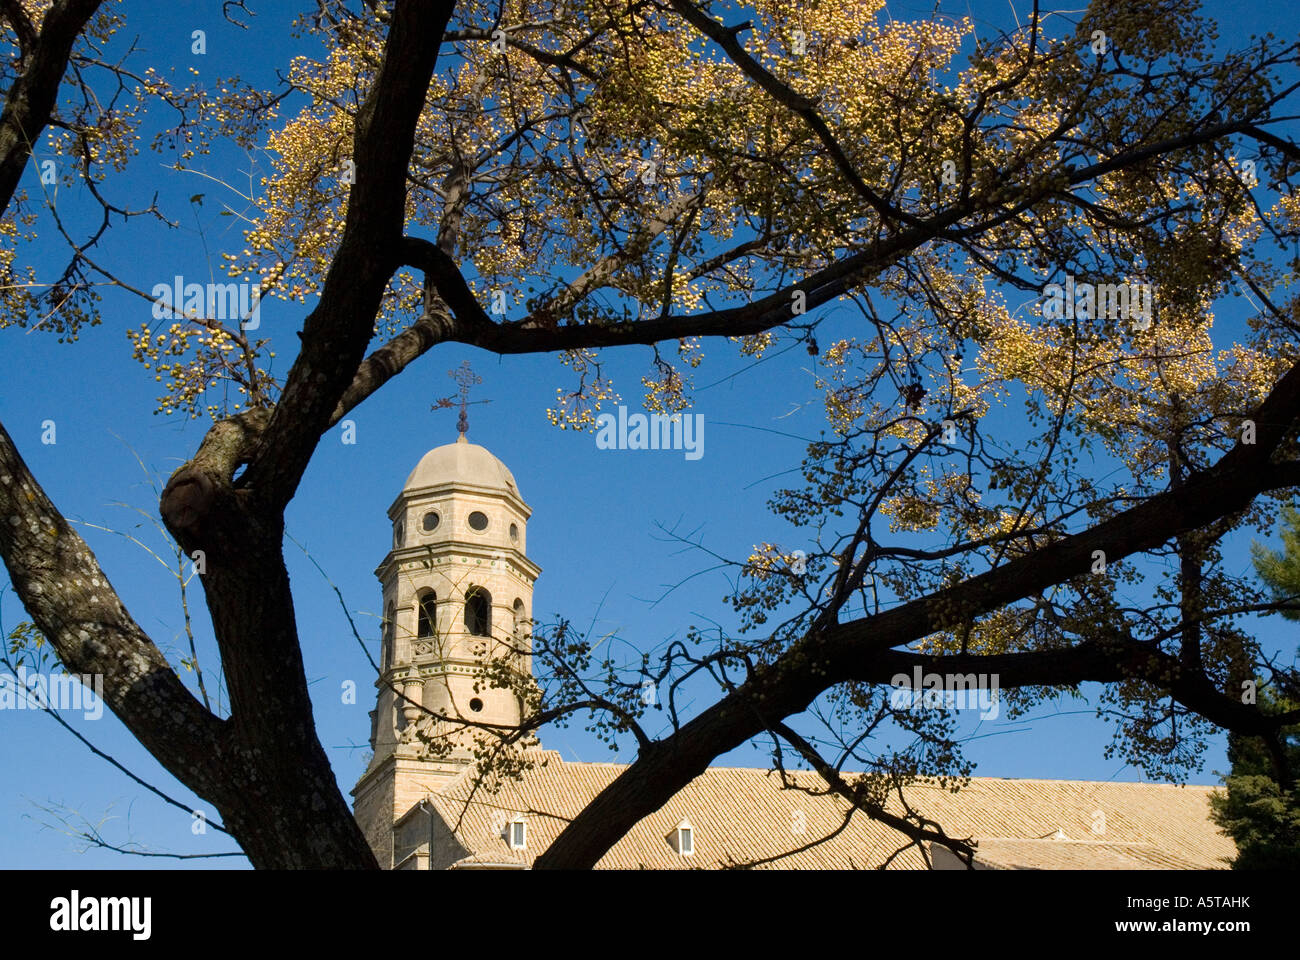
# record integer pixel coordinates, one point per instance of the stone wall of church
(385, 793)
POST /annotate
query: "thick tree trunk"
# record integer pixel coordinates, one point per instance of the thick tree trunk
(264, 768)
(285, 808)
(284, 805)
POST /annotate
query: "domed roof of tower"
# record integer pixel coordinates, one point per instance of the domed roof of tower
(461, 462)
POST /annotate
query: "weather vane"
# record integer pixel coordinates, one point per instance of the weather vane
(465, 378)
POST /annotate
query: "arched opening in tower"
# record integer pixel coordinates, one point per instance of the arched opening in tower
(389, 654)
(427, 621)
(478, 612)
(518, 625)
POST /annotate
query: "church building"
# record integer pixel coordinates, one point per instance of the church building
(458, 590)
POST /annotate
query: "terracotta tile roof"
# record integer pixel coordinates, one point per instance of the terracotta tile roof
(741, 816)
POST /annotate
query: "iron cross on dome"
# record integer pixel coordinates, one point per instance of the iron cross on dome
(465, 378)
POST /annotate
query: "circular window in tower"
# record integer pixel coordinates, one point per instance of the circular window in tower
(478, 520)
(430, 522)
(514, 533)
(397, 534)
(476, 704)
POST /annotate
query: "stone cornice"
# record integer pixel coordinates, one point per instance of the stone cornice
(455, 487)
(459, 554)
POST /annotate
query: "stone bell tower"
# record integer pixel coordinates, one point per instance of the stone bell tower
(457, 592)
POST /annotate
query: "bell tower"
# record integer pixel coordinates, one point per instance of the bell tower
(457, 595)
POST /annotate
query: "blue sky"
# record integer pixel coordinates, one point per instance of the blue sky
(597, 529)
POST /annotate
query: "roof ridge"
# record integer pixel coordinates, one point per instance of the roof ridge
(923, 781)
(1054, 840)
